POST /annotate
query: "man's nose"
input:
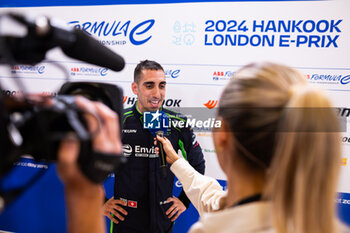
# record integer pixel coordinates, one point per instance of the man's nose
(156, 92)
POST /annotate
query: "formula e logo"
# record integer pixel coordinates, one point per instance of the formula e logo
(345, 80)
(329, 78)
(137, 34)
(28, 69)
(127, 150)
(172, 73)
(345, 140)
(88, 71)
(211, 104)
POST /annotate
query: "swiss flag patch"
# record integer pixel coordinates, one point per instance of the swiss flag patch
(132, 204)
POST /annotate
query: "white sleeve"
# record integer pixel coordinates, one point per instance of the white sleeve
(203, 191)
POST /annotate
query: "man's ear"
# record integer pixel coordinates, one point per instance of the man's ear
(134, 88)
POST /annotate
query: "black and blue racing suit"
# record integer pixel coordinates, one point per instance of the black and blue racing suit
(141, 184)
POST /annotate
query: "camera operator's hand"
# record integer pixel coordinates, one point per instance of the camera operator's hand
(84, 198)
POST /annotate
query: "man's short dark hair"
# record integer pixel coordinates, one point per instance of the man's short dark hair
(145, 65)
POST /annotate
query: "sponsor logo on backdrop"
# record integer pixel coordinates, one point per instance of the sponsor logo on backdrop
(209, 150)
(167, 102)
(14, 93)
(345, 140)
(211, 104)
(172, 73)
(172, 103)
(344, 161)
(26, 69)
(204, 134)
(343, 112)
(89, 71)
(10, 92)
(273, 33)
(184, 33)
(222, 75)
(117, 32)
(342, 201)
(124, 99)
(332, 79)
(31, 165)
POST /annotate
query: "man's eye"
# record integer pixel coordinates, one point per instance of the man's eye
(162, 86)
(149, 86)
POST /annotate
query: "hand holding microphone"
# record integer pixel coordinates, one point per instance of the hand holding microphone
(162, 154)
(171, 155)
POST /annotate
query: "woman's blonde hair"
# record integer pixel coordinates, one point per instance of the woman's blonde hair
(290, 131)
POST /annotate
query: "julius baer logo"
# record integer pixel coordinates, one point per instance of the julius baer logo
(159, 121)
(117, 32)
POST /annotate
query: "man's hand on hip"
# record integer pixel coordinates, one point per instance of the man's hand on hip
(113, 206)
(176, 209)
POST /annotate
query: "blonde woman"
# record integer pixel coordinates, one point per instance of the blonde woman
(280, 150)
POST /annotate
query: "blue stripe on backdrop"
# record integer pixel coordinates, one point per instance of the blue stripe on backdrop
(343, 207)
(40, 3)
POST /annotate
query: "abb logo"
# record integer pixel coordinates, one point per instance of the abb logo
(218, 73)
(211, 104)
(74, 69)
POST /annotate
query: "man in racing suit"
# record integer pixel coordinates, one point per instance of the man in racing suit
(143, 200)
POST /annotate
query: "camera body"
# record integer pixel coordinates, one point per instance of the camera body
(37, 129)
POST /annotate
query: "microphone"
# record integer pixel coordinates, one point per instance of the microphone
(86, 48)
(160, 130)
(162, 155)
(45, 34)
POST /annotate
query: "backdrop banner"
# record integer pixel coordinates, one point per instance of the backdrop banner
(200, 44)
